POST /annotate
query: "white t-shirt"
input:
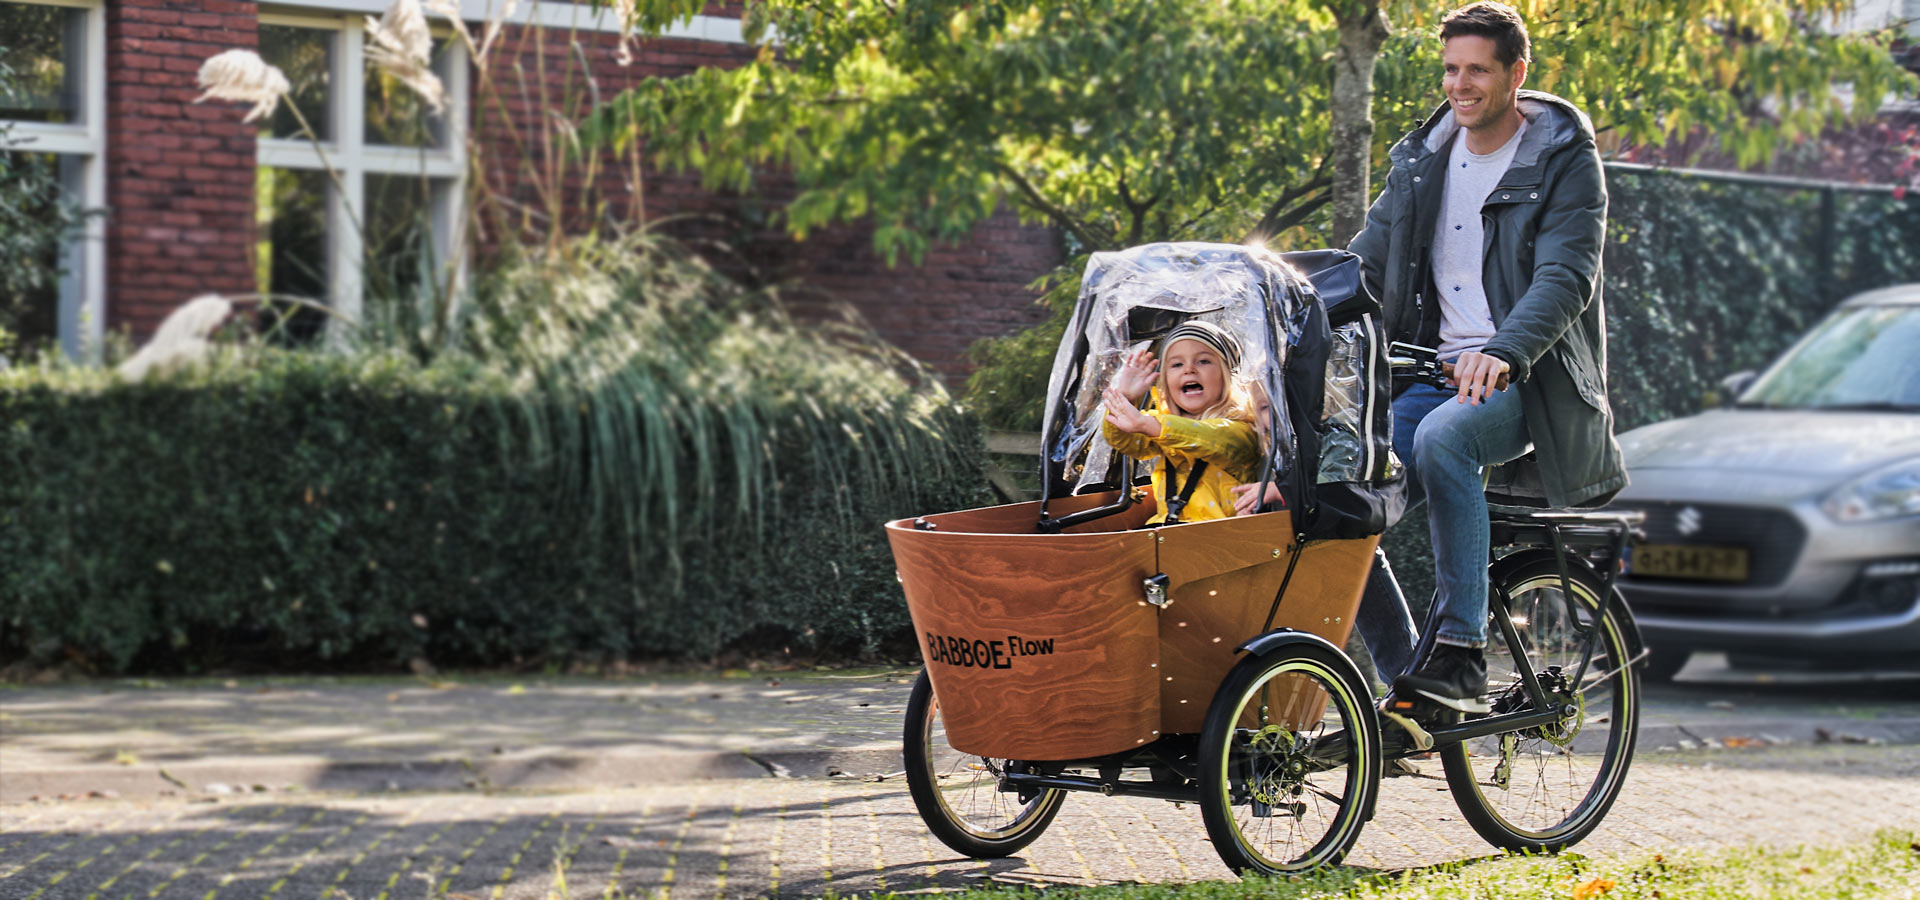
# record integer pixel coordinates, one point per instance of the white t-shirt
(1458, 244)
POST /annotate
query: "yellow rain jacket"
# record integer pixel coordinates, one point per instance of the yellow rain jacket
(1230, 447)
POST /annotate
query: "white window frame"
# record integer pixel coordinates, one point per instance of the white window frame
(354, 159)
(553, 14)
(82, 315)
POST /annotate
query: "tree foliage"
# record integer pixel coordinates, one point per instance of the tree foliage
(1127, 121)
(1119, 121)
(1123, 121)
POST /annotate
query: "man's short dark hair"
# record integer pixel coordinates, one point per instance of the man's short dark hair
(1495, 21)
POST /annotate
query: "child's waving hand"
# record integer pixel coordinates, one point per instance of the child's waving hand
(1135, 378)
(1124, 416)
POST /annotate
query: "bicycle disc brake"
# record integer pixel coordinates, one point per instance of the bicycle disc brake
(1563, 730)
(1276, 771)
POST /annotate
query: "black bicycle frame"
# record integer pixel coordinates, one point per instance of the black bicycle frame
(1525, 530)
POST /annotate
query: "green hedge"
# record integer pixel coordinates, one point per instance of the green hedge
(308, 511)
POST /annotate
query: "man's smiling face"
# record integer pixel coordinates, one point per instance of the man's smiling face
(1480, 87)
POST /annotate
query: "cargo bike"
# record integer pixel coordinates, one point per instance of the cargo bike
(1069, 647)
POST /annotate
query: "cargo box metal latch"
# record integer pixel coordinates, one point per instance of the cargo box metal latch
(1157, 591)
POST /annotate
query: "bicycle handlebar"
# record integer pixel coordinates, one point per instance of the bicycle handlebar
(1423, 365)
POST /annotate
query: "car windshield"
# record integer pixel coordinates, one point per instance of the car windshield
(1863, 358)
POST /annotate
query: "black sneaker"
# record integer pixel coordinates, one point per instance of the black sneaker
(1451, 676)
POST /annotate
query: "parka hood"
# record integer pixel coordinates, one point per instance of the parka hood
(1552, 124)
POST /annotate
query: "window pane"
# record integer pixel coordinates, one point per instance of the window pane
(397, 116)
(34, 232)
(402, 264)
(291, 249)
(306, 55)
(40, 62)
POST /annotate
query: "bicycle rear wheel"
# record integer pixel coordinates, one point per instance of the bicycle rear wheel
(959, 795)
(1543, 789)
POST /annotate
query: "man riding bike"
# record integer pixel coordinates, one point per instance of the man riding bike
(1486, 243)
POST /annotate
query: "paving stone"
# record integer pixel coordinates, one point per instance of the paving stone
(767, 837)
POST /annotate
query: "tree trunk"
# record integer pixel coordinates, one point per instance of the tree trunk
(1363, 29)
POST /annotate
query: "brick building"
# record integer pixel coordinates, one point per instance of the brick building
(194, 200)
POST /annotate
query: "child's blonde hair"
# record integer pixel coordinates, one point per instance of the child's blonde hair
(1256, 397)
(1235, 402)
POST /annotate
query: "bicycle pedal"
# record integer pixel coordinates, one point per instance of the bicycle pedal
(1417, 736)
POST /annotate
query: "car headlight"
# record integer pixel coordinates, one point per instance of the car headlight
(1881, 494)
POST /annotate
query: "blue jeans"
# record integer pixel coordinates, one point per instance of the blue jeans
(1444, 445)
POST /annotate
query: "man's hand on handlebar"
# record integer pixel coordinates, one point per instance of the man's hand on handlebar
(1478, 375)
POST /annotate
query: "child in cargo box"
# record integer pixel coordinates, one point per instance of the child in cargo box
(1202, 414)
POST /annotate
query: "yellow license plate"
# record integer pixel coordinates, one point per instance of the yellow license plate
(1694, 561)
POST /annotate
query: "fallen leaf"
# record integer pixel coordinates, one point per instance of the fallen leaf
(517, 690)
(1742, 742)
(1593, 888)
(127, 758)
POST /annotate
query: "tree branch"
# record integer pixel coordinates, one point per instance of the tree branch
(1279, 223)
(1269, 220)
(1080, 230)
(1138, 211)
(1194, 220)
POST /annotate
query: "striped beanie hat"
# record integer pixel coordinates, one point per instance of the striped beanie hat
(1221, 340)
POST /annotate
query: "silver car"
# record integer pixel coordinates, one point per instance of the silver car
(1786, 526)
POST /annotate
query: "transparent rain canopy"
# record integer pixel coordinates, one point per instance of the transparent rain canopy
(1347, 452)
(1128, 299)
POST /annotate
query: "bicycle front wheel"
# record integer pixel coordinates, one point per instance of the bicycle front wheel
(1289, 761)
(1542, 789)
(959, 795)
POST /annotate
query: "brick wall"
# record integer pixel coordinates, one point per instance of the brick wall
(934, 311)
(179, 175)
(180, 191)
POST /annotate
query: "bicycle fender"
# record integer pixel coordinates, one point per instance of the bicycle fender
(1617, 603)
(1282, 637)
(1287, 637)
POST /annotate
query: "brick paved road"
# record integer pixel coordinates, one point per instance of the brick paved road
(806, 837)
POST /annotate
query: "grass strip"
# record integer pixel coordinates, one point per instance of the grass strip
(1886, 867)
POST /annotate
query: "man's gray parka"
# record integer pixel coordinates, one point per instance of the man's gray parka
(1545, 225)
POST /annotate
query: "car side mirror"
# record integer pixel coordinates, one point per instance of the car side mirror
(1732, 386)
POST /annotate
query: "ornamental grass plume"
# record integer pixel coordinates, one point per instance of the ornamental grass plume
(451, 10)
(243, 76)
(624, 11)
(400, 43)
